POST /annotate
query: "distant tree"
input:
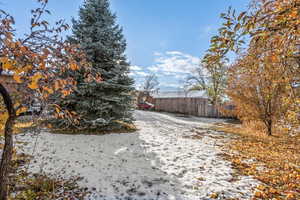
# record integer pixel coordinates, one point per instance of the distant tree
(211, 79)
(101, 105)
(150, 84)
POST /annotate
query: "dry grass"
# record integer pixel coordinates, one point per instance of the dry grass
(43, 187)
(273, 160)
(27, 186)
(125, 128)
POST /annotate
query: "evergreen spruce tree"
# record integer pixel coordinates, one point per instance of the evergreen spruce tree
(105, 105)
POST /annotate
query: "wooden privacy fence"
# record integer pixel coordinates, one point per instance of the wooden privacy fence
(190, 106)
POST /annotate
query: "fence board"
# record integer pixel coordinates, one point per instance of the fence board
(190, 106)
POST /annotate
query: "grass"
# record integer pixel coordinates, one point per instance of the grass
(43, 187)
(273, 160)
(125, 128)
(90, 131)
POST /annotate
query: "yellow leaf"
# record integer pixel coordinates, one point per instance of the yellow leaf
(17, 78)
(294, 13)
(49, 90)
(73, 66)
(261, 187)
(290, 196)
(258, 194)
(65, 92)
(57, 110)
(273, 191)
(214, 195)
(7, 66)
(36, 77)
(21, 110)
(27, 68)
(17, 104)
(33, 85)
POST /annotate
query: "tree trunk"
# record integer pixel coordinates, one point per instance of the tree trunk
(269, 127)
(8, 145)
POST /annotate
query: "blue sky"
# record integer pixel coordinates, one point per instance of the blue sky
(166, 37)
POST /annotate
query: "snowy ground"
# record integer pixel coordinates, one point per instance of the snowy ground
(169, 158)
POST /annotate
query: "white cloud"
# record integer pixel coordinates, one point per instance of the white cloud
(174, 85)
(175, 62)
(135, 68)
(171, 68)
(141, 73)
(137, 72)
(153, 69)
(180, 76)
(168, 86)
(173, 53)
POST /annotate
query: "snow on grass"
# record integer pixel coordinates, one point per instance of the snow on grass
(161, 161)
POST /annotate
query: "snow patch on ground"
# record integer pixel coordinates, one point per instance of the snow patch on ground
(161, 161)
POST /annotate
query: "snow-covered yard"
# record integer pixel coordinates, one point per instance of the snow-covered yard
(169, 158)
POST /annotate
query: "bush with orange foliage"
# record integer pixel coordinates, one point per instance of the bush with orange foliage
(36, 61)
(264, 80)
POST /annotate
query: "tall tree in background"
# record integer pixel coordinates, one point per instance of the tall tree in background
(104, 104)
(210, 78)
(151, 84)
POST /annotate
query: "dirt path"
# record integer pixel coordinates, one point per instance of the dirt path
(169, 158)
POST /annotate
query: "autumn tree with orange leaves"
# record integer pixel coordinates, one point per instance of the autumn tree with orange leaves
(38, 62)
(264, 80)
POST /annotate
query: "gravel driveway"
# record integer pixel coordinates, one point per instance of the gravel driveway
(171, 157)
